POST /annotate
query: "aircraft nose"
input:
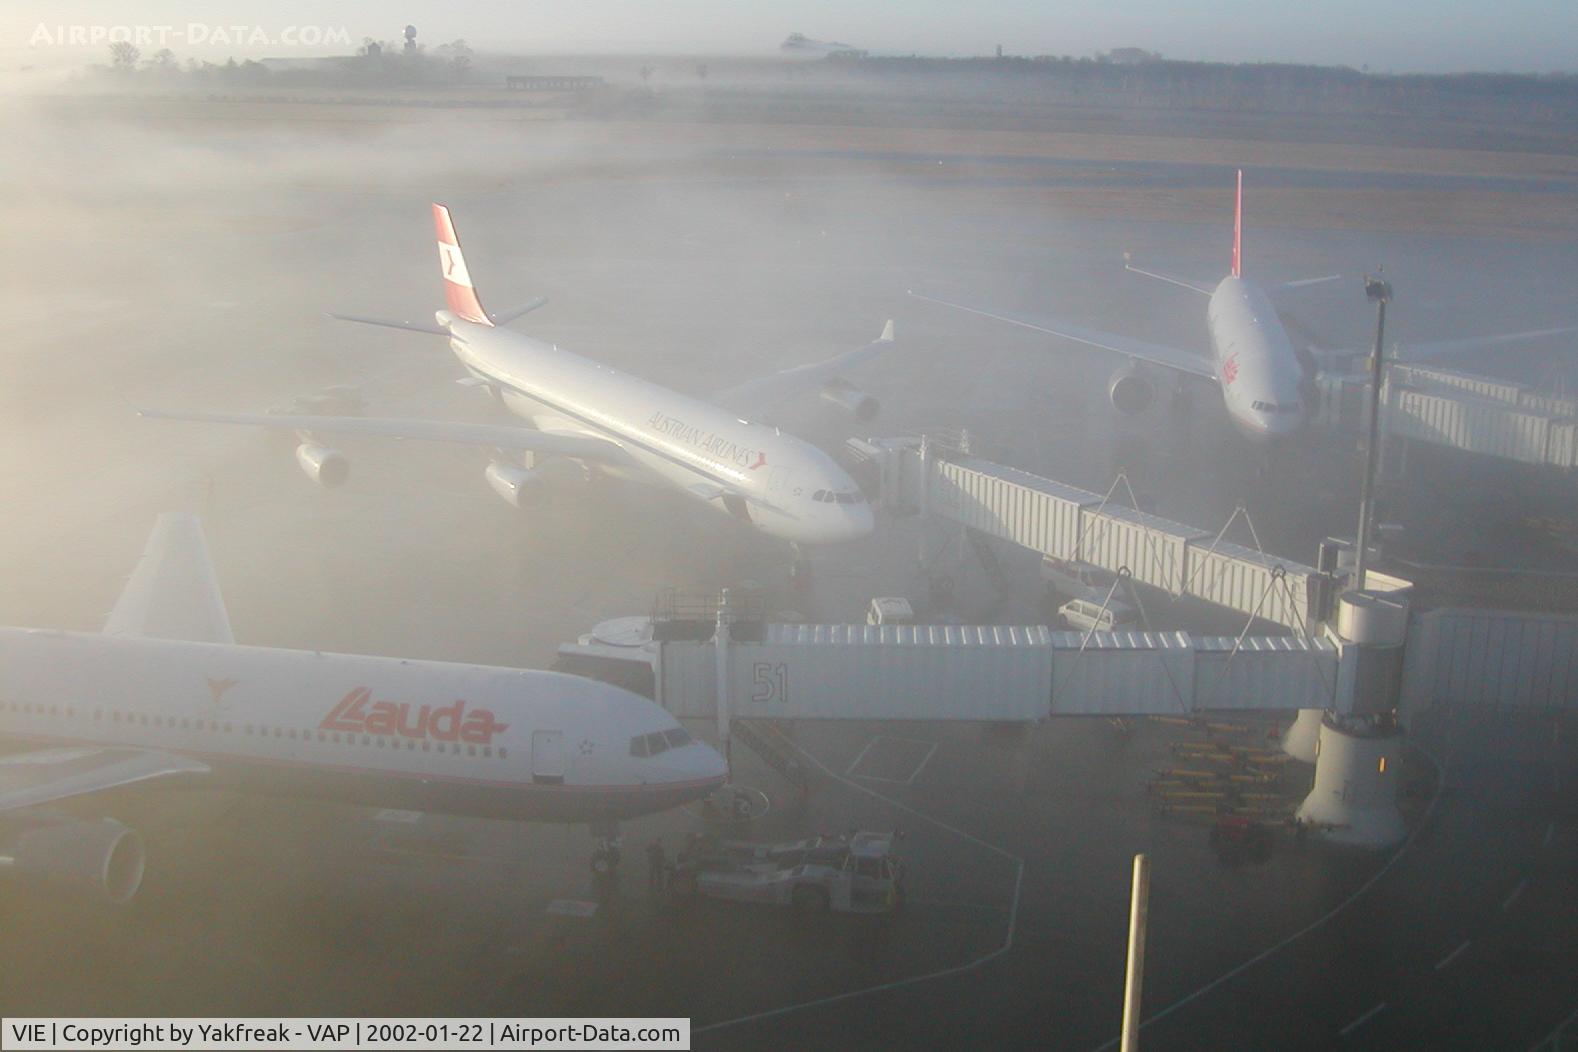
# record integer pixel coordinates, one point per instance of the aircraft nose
(859, 521)
(698, 762)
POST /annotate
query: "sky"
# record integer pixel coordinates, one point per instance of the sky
(1399, 36)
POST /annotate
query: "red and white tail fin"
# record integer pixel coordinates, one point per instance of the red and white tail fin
(1238, 227)
(459, 295)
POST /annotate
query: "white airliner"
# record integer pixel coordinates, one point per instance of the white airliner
(616, 423)
(1268, 383)
(165, 696)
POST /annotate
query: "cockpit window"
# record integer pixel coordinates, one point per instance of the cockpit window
(850, 498)
(658, 742)
(819, 496)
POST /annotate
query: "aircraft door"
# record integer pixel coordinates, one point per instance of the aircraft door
(547, 757)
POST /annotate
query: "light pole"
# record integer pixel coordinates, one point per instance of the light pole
(1379, 293)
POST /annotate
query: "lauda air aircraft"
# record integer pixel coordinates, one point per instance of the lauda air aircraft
(1268, 384)
(165, 696)
(615, 423)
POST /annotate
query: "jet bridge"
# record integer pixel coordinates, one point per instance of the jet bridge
(934, 478)
(1476, 414)
(965, 673)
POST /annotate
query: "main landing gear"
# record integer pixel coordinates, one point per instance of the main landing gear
(800, 571)
(605, 855)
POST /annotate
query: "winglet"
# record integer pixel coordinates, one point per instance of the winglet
(1238, 227)
(887, 333)
(459, 294)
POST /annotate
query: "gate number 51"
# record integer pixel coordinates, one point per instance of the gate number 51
(769, 682)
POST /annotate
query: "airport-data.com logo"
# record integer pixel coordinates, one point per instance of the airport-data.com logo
(190, 34)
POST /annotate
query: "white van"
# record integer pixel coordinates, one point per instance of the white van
(1078, 580)
(890, 610)
(1085, 615)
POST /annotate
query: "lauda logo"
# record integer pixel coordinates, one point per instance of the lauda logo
(359, 714)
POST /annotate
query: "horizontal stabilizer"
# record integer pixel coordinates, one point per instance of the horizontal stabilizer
(390, 323)
(505, 316)
(1169, 278)
(173, 593)
(1305, 282)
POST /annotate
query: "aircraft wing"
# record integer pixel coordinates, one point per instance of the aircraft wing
(524, 439)
(46, 775)
(1155, 353)
(1410, 352)
(765, 391)
(173, 593)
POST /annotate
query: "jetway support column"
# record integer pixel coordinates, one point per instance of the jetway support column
(1354, 800)
(720, 649)
(1302, 740)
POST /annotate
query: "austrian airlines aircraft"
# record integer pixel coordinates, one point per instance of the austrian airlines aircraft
(165, 695)
(1268, 384)
(612, 422)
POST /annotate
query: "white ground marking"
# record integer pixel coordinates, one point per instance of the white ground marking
(1549, 1040)
(915, 773)
(1365, 1018)
(1441, 776)
(1454, 955)
(1008, 935)
(1517, 891)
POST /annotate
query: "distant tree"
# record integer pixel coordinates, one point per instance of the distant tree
(123, 57)
(370, 49)
(163, 61)
(457, 55)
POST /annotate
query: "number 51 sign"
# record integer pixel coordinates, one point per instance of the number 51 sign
(769, 682)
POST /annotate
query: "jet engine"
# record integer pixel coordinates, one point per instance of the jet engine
(327, 467)
(521, 487)
(1131, 391)
(100, 858)
(852, 400)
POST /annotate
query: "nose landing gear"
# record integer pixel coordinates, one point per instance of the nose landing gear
(605, 855)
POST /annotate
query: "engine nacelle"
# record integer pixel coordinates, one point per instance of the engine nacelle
(852, 400)
(100, 858)
(521, 487)
(327, 467)
(1131, 391)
